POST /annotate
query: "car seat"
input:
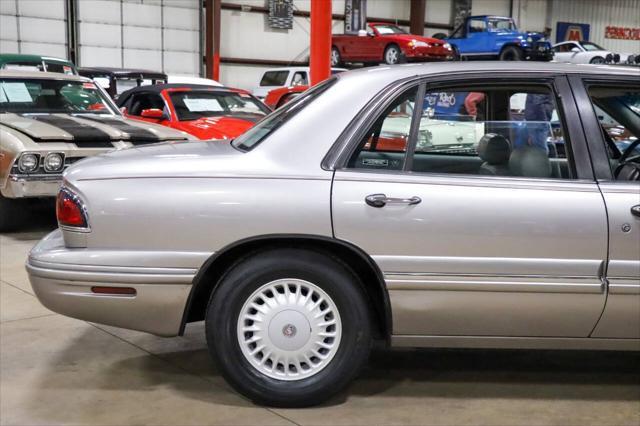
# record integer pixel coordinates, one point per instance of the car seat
(494, 150)
(530, 161)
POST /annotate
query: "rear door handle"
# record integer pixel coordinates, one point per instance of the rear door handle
(381, 200)
(635, 210)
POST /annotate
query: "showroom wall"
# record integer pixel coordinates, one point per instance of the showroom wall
(155, 34)
(28, 27)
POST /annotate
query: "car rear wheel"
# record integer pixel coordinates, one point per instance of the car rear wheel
(511, 53)
(336, 59)
(289, 327)
(597, 60)
(392, 55)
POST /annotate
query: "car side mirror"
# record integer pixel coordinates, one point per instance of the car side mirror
(575, 50)
(153, 113)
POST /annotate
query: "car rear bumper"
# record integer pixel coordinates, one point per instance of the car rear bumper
(156, 307)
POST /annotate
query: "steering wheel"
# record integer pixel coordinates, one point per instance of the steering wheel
(627, 168)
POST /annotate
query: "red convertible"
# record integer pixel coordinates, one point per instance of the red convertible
(389, 44)
(206, 112)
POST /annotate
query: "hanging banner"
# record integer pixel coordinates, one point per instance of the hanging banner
(570, 31)
(622, 33)
(281, 14)
(355, 16)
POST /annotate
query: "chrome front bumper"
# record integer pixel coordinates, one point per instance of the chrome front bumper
(31, 186)
(65, 288)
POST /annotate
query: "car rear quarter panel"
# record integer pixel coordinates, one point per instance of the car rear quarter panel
(201, 214)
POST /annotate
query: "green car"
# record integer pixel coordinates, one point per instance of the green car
(15, 61)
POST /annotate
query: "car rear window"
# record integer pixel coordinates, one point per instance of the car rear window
(254, 136)
(274, 78)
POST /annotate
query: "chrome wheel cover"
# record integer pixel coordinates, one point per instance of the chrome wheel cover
(289, 329)
(335, 57)
(391, 55)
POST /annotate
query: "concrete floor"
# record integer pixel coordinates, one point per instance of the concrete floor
(57, 370)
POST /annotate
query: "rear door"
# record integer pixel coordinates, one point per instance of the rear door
(614, 123)
(468, 245)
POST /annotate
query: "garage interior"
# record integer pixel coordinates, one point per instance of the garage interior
(59, 370)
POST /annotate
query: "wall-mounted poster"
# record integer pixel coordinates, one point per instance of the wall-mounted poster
(281, 14)
(570, 31)
(355, 16)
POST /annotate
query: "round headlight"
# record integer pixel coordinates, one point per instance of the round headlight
(53, 162)
(28, 162)
(447, 46)
(529, 40)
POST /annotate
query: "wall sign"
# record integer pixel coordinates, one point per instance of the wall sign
(355, 16)
(570, 31)
(622, 33)
(281, 14)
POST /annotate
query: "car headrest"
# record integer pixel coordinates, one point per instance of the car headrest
(494, 149)
(530, 161)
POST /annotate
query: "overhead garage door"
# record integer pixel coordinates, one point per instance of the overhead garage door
(152, 34)
(34, 27)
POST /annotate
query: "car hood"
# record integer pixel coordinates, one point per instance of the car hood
(170, 159)
(224, 127)
(88, 130)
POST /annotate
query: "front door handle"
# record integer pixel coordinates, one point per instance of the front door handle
(381, 200)
(635, 210)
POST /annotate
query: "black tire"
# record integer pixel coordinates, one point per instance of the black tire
(597, 60)
(393, 55)
(511, 53)
(260, 268)
(456, 54)
(336, 58)
(440, 36)
(10, 218)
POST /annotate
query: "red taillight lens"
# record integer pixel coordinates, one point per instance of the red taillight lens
(69, 210)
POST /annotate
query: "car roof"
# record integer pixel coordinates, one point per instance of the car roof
(10, 57)
(41, 75)
(122, 71)
(398, 72)
(300, 69)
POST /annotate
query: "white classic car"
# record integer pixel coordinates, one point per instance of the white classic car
(586, 52)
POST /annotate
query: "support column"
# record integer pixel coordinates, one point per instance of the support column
(212, 38)
(320, 59)
(416, 17)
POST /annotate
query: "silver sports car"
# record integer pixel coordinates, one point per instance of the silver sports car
(315, 233)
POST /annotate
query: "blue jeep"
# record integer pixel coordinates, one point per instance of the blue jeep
(496, 37)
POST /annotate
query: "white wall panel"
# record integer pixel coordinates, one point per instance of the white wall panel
(93, 56)
(148, 59)
(438, 11)
(99, 11)
(161, 35)
(33, 26)
(53, 9)
(142, 38)
(490, 7)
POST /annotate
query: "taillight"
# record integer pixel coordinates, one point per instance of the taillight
(70, 210)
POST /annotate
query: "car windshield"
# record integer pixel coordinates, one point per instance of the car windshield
(51, 96)
(389, 29)
(502, 24)
(589, 46)
(254, 136)
(192, 105)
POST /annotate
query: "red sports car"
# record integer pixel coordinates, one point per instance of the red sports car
(389, 44)
(204, 111)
